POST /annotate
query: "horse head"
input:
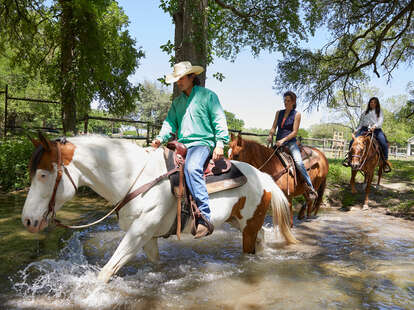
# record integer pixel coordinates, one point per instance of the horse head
(49, 189)
(358, 151)
(235, 146)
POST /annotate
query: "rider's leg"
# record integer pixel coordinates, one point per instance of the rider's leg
(384, 147)
(193, 171)
(294, 150)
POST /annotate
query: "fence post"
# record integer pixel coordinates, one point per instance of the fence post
(148, 133)
(6, 97)
(85, 124)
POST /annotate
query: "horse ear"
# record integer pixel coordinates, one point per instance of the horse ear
(45, 142)
(35, 142)
(239, 140)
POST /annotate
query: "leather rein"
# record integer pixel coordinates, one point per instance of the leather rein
(128, 196)
(366, 151)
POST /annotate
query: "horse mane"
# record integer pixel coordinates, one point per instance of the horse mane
(256, 153)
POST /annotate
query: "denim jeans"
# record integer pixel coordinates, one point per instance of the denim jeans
(194, 176)
(379, 135)
(295, 152)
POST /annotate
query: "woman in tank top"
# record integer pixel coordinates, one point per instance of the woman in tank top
(287, 122)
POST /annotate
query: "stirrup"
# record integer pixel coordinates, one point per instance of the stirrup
(345, 162)
(387, 168)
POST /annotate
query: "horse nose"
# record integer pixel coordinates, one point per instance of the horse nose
(30, 225)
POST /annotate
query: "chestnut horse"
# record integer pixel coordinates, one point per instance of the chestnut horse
(365, 157)
(263, 157)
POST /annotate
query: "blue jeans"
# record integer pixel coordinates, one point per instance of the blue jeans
(295, 152)
(379, 135)
(194, 176)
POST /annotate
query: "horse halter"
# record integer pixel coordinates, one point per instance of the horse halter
(60, 165)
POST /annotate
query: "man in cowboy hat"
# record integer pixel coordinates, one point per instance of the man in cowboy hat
(200, 123)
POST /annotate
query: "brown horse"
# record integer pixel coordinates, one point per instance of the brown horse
(365, 157)
(266, 160)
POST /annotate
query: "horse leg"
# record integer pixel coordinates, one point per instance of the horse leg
(260, 241)
(353, 174)
(380, 169)
(151, 250)
(367, 189)
(301, 214)
(139, 234)
(291, 211)
(318, 202)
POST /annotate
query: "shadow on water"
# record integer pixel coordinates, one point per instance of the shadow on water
(352, 260)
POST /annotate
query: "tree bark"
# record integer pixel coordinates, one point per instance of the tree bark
(66, 70)
(190, 38)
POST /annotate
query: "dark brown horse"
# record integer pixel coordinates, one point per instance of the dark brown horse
(365, 157)
(265, 159)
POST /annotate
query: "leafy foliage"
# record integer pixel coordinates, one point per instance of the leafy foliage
(233, 123)
(80, 49)
(14, 159)
(366, 36)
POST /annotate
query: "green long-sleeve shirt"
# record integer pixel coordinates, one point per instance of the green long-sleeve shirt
(197, 119)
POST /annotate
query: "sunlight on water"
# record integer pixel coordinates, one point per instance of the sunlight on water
(349, 264)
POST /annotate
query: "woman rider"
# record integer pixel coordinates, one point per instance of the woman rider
(287, 122)
(372, 119)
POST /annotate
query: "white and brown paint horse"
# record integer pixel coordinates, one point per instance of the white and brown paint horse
(110, 166)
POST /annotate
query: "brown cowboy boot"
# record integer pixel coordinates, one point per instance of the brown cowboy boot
(204, 228)
(313, 194)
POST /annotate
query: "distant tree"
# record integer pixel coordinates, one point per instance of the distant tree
(153, 104)
(366, 37)
(80, 48)
(225, 27)
(233, 122)
(303, 133)
(327, 131)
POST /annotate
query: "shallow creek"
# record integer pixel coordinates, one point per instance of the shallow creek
(346, 260)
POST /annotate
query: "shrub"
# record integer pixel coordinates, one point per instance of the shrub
(14, 160)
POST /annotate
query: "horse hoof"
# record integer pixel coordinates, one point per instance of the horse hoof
(365, 208)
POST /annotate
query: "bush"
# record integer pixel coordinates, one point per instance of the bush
(15, 155)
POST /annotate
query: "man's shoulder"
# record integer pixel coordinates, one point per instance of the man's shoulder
(205, 91)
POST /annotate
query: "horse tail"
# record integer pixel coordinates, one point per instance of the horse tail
(321, 191)
(281, 214)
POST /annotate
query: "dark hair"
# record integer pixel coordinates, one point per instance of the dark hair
(196, 80)
(377, 106)
(292, 95)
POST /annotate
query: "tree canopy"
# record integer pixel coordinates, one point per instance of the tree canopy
(81, 48)
(366, 38)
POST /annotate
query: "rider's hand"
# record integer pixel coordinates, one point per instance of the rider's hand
(155, 143)
(279, 142)
(269, 139)
(218, 153)
(353, 137)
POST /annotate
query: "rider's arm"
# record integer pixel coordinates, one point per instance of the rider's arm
(273, 129)
(380, 120)
(294, 132)
(218, 120)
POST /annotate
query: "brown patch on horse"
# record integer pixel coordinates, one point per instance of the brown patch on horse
(255, 223)
(236, 210)
(43, 158)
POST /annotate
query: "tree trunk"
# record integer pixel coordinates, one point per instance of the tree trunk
(66, 70)
(191, 35)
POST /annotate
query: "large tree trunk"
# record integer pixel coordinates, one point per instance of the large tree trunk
(66, 70)
(191, 34)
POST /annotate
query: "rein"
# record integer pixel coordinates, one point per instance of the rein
(274, 152)
(366, 151)
(128, 196)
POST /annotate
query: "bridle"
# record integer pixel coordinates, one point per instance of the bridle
(128, 196)
(366, 151)
(60, 169)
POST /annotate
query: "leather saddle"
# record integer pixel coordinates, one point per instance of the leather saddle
(309, 158)
(220, 175)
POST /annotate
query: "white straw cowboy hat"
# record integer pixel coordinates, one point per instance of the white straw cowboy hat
(181, 69)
